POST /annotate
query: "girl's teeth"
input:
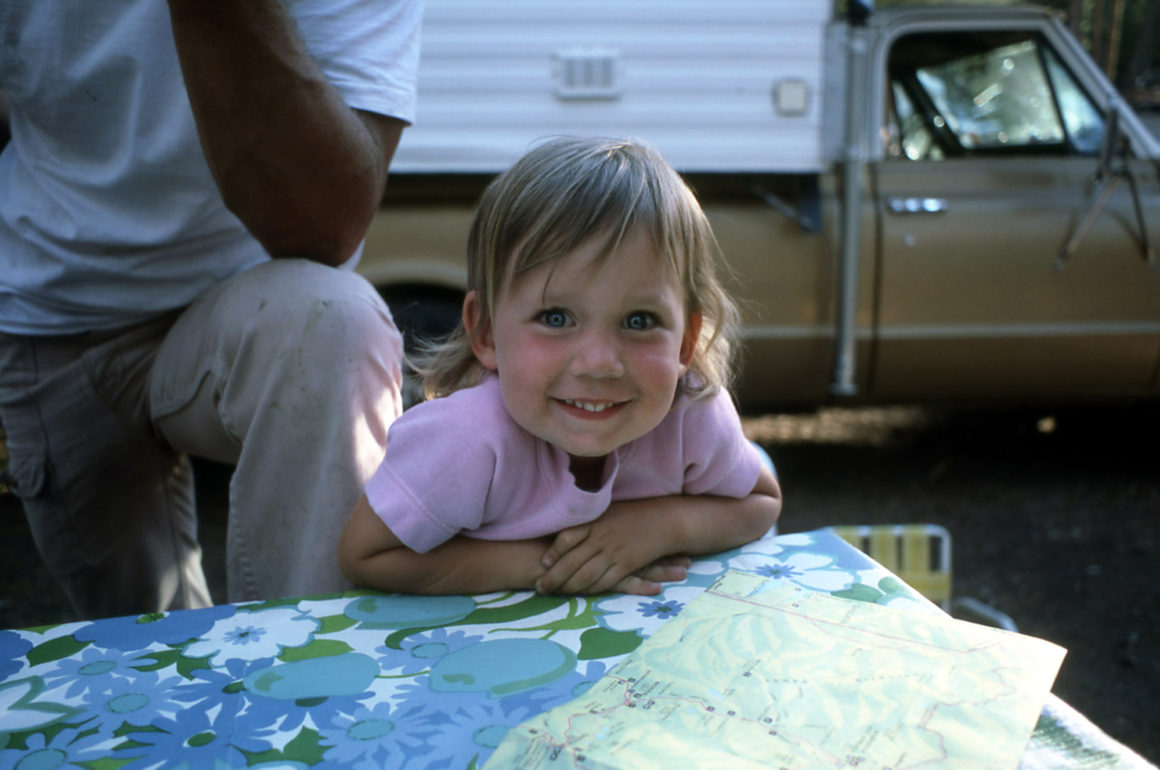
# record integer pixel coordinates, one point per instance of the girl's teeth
(588, 407)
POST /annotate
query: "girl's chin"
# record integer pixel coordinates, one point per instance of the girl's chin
(587, 458)
(586, 452)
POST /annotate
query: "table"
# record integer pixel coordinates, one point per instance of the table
(365, 679)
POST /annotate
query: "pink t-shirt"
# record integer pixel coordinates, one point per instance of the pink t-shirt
(461, 465)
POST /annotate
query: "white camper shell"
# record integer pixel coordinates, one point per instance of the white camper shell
(727, 85)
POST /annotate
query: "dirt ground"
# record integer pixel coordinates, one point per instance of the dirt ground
(1054, 518)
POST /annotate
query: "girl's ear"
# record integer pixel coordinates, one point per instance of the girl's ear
(479, 331)
(689, 342)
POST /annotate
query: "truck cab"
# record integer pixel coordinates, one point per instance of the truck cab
(1013, 233)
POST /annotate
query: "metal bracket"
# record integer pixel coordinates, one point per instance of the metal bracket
(1113, 168)
(808, 221)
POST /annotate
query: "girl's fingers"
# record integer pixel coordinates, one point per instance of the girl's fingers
(564, 542)
(664, 572)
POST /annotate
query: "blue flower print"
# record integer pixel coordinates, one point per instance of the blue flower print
(663, 610)
(263, 717)
(779, 571)
(810, 570)
(202, 737)
(487, 722)
(483, 721)
(240, 636)
(418, 692)
(258, 719)
(567, 689)
(25, 705)
(13, 648)
(590, 676)
(68, 748)
(379, 737)
(420, 651)
(244, 636)
(705, 570)
(209, 684)
(95, 670)
(628, 612)
(133, 702)
(138, 632)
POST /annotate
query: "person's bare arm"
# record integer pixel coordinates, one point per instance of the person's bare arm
(302, 170)
(370, 555)
(597, 556)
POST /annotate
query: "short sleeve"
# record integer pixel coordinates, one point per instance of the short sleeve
(434, 480)
(718, 458)
(369, 50)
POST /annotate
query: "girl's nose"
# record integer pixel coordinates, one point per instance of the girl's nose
(597, 355)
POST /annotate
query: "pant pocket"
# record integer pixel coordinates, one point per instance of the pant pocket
(26, 454)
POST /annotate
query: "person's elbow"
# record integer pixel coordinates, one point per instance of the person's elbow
(325, 215)
(363, 546)
(770, 512)
(353, 562)
(766, 498)
(331, 251)
(317, 229)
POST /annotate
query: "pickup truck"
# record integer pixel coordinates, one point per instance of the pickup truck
(918, 204)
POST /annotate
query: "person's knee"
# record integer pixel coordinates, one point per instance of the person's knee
(330, 344)
(328, 316)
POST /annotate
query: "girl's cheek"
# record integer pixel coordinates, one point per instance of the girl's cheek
(662, 352)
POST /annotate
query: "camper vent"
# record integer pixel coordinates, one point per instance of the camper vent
(587, 73)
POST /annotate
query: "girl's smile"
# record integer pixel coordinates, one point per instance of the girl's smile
(589, 351)
(594, 408)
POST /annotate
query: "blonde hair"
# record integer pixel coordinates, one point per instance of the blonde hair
(556, 198)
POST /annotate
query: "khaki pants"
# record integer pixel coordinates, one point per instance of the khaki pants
(290, 371)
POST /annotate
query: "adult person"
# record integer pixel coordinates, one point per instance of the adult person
(161, 154)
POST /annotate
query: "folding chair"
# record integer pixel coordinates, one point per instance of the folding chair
(920, 554)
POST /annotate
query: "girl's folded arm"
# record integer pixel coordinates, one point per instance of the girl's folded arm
(723, 523)
(371, 555)
(592, 557)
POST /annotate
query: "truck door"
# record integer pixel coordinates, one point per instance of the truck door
(991, 145)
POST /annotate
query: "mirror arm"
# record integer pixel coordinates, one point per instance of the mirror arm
(808, 220)
(1113, 168)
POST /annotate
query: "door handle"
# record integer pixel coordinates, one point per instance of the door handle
(916, 205)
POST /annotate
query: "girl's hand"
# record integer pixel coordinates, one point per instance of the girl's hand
(625, 549)
(622, 550)
(647, 581)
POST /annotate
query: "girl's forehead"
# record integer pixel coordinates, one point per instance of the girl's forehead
(592, 256)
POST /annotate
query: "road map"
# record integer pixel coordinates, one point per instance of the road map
(755, 673)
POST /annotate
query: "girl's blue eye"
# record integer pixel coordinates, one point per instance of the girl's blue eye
(640, 321)
(554, 317)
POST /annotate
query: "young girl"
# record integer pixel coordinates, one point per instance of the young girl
(580, 436)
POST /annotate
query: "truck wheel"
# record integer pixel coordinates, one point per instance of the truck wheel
(423, 314)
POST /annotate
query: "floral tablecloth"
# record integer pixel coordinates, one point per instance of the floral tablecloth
(366, 679)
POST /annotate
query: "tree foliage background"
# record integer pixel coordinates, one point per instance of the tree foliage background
(1121, 35)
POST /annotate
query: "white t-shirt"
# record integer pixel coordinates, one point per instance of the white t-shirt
(462, 465)
(108, 212)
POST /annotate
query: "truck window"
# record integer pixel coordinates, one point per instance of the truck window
(909, 135)
(1084, 124)
(957, 94)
